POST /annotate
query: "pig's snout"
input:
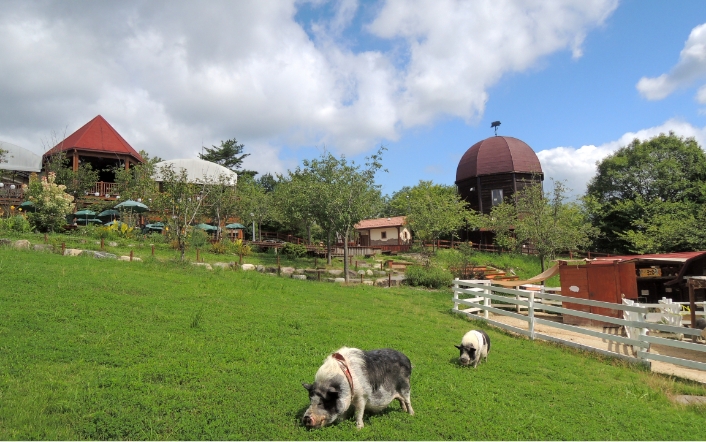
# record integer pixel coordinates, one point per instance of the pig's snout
(465, 360)
(309, 421)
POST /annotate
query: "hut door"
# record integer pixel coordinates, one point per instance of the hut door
(604, 286)
(574, 283)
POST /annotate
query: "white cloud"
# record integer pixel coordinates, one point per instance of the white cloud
(690, 68)
(576, 166)
(173, 76)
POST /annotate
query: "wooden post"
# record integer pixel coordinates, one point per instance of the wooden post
(318, 275)
(130, 255)
(356, 264)
(361, 278)
(692, 303)
(197, 254)
(389, 279)
(380, 265)
(279, 269)
(63, 247)
(45, 238)
(152, 249)
(102, 243)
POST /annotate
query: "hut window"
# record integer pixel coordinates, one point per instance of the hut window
(497, 195)
(383, 235)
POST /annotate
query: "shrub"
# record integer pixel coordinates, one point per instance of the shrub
(238, 248)
(198, 238)
(17, 224)
(428, 276)
(294, 250)
(219, 248)
(51, 202)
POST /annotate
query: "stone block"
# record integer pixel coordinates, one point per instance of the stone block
(248, 267)
(72, 252)
(21, 244)
(203, 264)
(302, 277)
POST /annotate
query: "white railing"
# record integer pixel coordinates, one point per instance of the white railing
(475, 299)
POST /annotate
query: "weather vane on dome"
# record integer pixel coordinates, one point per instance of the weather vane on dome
(495, 125)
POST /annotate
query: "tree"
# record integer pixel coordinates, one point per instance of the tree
(253, 203)
(626, 198)
(229, 155)
(436, 210)
(547, 222)
(339, 195)
(181, 201)
(138, 181)
(79, 182)
(222, 200)
(292, 200)
(398, 204)
(51, 203)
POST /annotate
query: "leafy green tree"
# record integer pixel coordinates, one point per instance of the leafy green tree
(222, 202)
(253, 202)
(51, 203)
(436, 210)
(79, 182)
(345, 193)
(181, 201)
(626, 198)
(292, 200)
(138, 181)
(548, 222)
(229, 155)
(398, 204)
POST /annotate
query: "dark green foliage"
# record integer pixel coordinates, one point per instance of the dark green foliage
(17, 224)
(648, 196)
(229, 155)
(294, 250)
(428, 276)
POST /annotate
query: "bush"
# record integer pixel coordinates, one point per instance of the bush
(219, 248)
(238, 248)
(428, 276)
(198, 238)
(17, 224)
(294, 250)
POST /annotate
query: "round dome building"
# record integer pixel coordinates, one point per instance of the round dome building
(494, 169)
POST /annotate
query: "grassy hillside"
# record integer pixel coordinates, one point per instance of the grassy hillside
(100, 349)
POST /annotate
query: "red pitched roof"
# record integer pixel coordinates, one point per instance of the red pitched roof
(376, 223)
(98, 136)
(674, 256)
(497, 154)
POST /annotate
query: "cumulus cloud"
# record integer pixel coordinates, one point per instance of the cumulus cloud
(576, 166)
(171, 76)
(690, 68)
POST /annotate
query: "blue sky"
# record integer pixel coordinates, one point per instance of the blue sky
(288, 78)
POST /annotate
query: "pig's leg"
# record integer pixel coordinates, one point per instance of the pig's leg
(359, 411)
(403, 404)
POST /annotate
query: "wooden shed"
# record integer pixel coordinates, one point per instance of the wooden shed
(644, 278)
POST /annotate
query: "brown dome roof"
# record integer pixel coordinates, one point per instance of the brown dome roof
(497, 155)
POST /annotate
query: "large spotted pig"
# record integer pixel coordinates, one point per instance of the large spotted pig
(474, 346)
(364, 380)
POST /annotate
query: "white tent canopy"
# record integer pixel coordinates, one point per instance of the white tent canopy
(20, 159)
(198, 171)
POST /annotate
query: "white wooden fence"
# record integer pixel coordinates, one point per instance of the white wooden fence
(475, 299)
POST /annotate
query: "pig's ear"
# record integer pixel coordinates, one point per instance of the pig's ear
(458, 346)
(307, 386)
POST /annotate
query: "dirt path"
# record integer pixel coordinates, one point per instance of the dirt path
(658, 367)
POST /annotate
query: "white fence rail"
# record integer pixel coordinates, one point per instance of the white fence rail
(478, 298)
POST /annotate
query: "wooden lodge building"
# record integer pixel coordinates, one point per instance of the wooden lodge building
(492, 171)
(100, 145)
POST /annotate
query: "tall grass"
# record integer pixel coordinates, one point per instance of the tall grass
(96, 349)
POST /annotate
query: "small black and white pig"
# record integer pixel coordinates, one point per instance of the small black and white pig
(474, 346)
(364, 380)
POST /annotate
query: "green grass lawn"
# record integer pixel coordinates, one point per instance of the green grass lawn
(100, 349)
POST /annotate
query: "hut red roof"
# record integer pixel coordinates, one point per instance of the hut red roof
(97, 136)
(497, 154)
(376, 223)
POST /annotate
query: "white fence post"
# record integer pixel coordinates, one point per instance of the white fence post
(530, 314)
(486, 301)
(455, 286)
